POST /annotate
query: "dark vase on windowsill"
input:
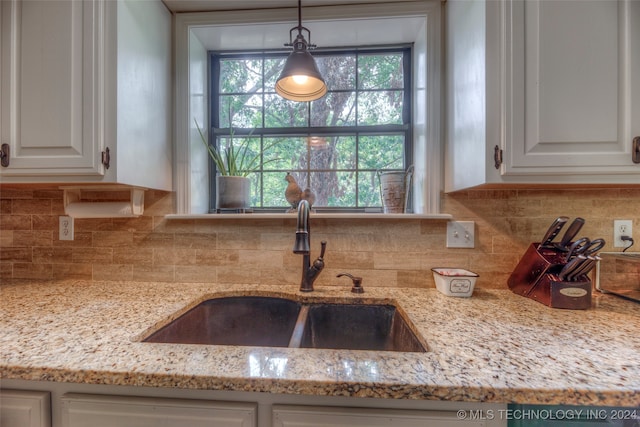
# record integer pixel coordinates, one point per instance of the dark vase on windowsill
(233, 192)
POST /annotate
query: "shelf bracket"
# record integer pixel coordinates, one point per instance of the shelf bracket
(76, 205)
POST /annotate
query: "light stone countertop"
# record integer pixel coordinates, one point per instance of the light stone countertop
(494, 347)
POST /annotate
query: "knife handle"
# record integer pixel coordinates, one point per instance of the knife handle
(553, 231)
(571, 266)
(571, 232)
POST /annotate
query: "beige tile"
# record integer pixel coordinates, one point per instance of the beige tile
(44, 222)
(92, 255)
(415, 279)
(445, 259)
(195, 274)
(72, 271)
(93, 224)
(28, 206)
(281, 276)
(195, 241)
(32, 271)
(33, 238)
(15, 193)
(397, 260)
(216, 257)
(238, 274)
(155, 273)
(257, 259)
(51, 255)
(173, 256)
(15, 222)
(112, 272)
(16, 254)
(80, 240)
(236, 240)
(358, 260)
(153, 240)
(5, 207)
(6, 270)
(133, 255)
(6, 238)
(112, 238)
(48, 193)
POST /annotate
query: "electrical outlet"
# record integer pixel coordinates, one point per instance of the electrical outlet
(461, 234)
(621, 227)
(66, 228)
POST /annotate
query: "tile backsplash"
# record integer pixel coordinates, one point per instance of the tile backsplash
(398, 253)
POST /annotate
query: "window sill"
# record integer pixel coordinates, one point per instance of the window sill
(324, 215)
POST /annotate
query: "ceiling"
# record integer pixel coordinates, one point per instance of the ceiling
(324, 33)
(342, 32)
(178, 6)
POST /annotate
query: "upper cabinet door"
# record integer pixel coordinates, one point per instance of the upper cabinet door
(51, 67)
(572, 86)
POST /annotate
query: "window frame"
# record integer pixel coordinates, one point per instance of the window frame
(406, 128)
(197, 32)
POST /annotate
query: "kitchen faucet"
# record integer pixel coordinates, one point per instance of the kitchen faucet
(302, 246)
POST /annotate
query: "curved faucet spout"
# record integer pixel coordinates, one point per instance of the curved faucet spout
(302, 245)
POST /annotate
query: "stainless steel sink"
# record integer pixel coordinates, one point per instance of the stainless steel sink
(358, 327)
(279, 322)
(246, 320)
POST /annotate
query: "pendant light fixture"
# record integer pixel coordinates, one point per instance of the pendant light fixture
(300, 79)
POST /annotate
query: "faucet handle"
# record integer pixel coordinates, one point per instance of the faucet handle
(357, 283)
(323, 247)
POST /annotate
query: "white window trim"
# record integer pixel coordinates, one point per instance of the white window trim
(191, 170)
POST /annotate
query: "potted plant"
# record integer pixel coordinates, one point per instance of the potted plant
(234, 164)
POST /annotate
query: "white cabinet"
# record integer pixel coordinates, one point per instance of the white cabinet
(20, 408)
(81, 410)
(310, 416)
(83, 78)
(50, 86)
(554, 85)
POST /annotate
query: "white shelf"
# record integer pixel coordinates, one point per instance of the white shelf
(292, 215)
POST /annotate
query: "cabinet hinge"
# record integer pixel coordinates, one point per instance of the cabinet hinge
(635, 150)
(5, 155)
(106, 158)
(497, 157)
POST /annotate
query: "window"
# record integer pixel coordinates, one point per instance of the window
(415, 24)
(336, 145)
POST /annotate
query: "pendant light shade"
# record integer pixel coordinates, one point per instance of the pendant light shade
(300, 79)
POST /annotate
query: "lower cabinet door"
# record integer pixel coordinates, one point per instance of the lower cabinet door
(20, 408)
(81, 410)
(311, 416)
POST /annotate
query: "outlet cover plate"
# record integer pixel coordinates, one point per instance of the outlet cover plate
(622, 227)
(461, 234)
(66, 228)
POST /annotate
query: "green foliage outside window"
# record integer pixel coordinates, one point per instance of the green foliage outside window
(334, 145)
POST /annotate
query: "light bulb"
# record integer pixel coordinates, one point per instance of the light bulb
(300, 79)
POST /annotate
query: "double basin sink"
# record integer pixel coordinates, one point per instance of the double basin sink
(280, 322)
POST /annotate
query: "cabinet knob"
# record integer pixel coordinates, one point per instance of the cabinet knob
(5, 155)
(635, 150)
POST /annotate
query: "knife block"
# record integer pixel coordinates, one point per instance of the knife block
(535, 277)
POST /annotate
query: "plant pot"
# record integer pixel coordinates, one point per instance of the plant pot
(233, 192)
